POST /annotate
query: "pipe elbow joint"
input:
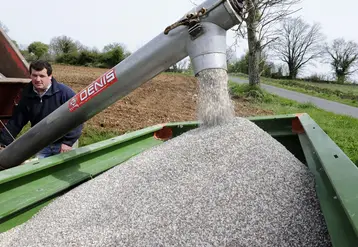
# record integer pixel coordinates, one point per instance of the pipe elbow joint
(208, 51)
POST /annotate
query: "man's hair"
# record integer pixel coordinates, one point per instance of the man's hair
(40, 65)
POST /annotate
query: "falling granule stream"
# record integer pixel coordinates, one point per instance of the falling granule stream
(214, 106)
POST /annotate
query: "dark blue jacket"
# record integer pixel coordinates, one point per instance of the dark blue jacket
(33, 108)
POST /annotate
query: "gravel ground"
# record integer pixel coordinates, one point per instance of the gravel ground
(229, 185)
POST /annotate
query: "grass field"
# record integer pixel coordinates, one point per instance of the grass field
(343, 130)
(345, 94)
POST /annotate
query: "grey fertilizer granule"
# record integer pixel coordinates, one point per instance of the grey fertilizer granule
(229, 185)
(214, 104)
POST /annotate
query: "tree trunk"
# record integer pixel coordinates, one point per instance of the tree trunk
(254, 60)
(254, 45)
(292, 71)
(341, 75)
(341, 78)
(293, 74)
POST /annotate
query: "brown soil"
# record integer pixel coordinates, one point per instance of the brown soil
(165, 98)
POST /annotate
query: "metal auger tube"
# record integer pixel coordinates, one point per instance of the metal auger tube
(201, 34)
(208, 51)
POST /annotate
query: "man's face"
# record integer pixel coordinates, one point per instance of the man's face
(40, 79)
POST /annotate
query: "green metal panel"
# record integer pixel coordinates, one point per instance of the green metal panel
(36, 166)
(337, 182)
(339, 227)
(22, 216)
(25, 186)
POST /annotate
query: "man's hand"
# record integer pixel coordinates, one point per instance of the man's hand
(65, 148)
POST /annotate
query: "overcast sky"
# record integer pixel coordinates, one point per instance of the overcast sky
(134, 23)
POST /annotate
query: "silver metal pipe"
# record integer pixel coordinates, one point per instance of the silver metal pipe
(187, 37)
(209, 50)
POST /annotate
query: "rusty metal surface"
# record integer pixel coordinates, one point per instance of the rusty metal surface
(12, 63)
(14, 80)
(9, 97)
(14, 75)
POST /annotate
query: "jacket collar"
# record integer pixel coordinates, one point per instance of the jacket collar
(29, 91)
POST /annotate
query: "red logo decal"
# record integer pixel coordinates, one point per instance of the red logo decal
(92, 90)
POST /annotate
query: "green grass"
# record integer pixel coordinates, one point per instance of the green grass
(343, 130)
(346, 88)
(92, 135)
(345, 94)
(89, 135)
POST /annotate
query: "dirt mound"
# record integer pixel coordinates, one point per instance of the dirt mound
(165, 98)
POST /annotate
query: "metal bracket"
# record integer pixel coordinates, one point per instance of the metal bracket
(196, 30)
(191, 21)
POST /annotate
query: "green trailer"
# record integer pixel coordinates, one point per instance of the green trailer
(27, 188)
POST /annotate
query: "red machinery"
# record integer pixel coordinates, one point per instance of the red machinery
(14, 75)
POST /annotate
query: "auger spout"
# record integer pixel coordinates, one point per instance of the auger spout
(200, 34)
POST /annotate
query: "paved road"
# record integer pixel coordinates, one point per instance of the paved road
(303, 98)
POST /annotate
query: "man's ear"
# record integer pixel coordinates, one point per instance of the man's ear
(50, 77)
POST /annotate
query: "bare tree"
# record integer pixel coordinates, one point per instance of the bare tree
(230, 54)
(343, 58)
(259, 19)
(297, 44)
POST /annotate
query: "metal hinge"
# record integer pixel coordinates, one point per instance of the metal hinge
(192, 21)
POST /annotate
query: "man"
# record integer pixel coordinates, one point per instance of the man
(41, 97)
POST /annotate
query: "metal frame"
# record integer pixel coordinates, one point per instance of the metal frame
(156, 56)
(14, 75)
(336, 182)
